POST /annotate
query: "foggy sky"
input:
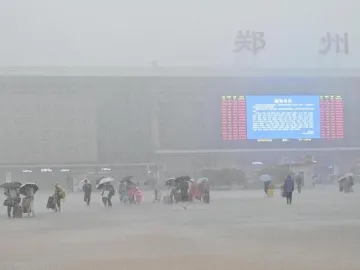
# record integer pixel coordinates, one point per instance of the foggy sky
(187, 32)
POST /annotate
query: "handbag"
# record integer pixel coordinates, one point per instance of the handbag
(8, 202)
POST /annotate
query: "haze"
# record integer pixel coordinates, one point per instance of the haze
(187, 33)
(98, 91)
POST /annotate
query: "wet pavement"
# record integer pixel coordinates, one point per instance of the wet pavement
(238, 230)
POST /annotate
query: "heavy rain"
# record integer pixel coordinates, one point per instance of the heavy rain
(179, 135)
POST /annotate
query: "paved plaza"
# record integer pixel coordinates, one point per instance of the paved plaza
(238, 230)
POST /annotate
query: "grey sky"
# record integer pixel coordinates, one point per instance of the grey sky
(187, 32)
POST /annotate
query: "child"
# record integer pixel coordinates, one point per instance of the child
(138, 195)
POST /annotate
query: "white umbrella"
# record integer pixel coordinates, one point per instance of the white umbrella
(104, 181)
(265, 178)
(83, 181)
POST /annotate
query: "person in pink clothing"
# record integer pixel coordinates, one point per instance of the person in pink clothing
(131, 194)
(138, 195)
(194, 192)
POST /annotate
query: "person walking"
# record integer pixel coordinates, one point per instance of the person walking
(12, 201)
(155, 187)
(107, 193)
(59, 194)
(266, 187)
(184, 191)
(299, 183)
(87, 188)
(27, 202)
(289, 189)
(123, 194)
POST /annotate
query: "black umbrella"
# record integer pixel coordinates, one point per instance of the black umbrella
(10, 185)
(126, 179)
(183, 178)
(170, 182)
(26, 186)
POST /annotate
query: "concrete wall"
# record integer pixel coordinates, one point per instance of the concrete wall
(67, 120)
(42, 126)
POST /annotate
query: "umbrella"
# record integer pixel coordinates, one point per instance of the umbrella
(265, 178)
(10, 185)
(101, 178)
(345, 176)
(104, 181)
(83, 181)
(170, 182)
(184, 178)
(126, 179)
(25, 186)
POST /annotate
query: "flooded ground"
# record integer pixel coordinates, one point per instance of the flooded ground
(238, 230)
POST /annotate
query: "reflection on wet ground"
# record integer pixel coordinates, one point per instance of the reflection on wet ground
(238, 230)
